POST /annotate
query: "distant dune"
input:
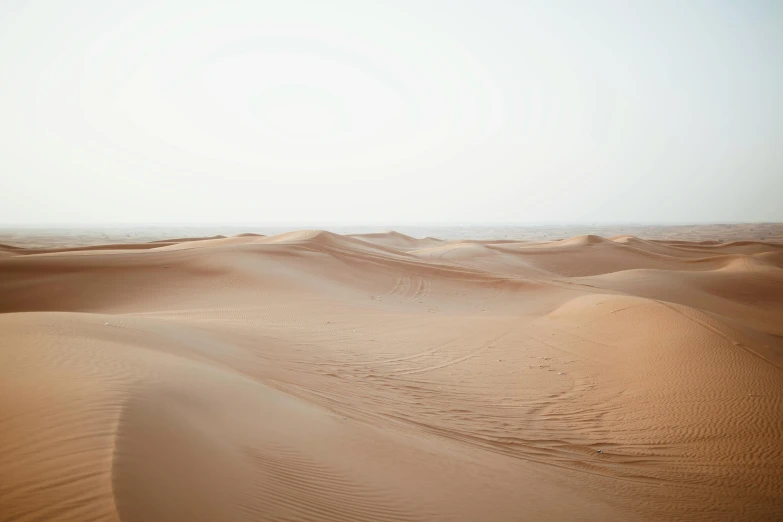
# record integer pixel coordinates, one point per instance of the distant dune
(397, 240)
(311, 375)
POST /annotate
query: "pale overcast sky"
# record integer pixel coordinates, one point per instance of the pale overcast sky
(394, 112)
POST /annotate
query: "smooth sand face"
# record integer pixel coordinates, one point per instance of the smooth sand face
(314, 376)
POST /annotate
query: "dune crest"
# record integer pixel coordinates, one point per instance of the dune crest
(310, 375)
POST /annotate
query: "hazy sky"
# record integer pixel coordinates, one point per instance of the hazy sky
(391, 112)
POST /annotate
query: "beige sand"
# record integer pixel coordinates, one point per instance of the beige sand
(314, 376)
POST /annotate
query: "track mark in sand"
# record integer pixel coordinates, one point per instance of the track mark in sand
(410, 357)
(757, 272)
(622, 309)
(401, 286)
(525, 450)
(718, 333)
(411, 288)
(559, 347)
(424, 289)
(451, 362)
(547, 404)
(445, 364)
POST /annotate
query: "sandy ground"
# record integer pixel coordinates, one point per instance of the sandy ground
(316, 376)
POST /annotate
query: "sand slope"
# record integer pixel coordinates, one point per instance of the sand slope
(314, 376)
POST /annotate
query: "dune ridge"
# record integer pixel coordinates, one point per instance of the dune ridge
(311, 375)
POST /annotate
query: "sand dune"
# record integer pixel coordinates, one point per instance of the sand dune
(397, 240)
(315, 376)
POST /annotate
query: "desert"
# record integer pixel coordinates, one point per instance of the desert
(311, 375)
(435, 261)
